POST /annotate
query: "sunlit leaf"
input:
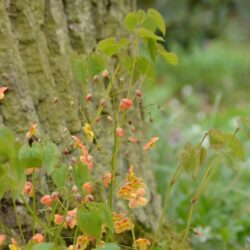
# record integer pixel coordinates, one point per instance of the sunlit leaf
(157, 19)
(31, 156)
(111, 46)
(147, 34)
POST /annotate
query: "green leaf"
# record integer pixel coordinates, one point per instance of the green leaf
(51, 157)
(92, 216)
(105, 214)
(80, 174)
(151, 45)
(228, 142)
(111, 46)
(133, 19)
(216, 139)
(59, 176)
(147, 34)
(96, 64)
(109, 246)
(157, 19)
(169, 57)
(244, 125)
(89, 222)
(78, 66)
(190, 159)
(7, 144)
(43, 246)
(235, 147)
(31, 156)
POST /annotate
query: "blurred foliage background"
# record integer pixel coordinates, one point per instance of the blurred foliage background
(209, 88)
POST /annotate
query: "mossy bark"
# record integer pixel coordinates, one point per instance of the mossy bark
(37, 38)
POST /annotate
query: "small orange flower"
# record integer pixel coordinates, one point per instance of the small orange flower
(82, 242)
(28, 188)
(58, 219)
(121, 223)
(125, 104)
(87, 159)
(38, 238)
(32, 131)
(150, 143)
(2, 239)
(142, 244)
(2, 90)
(132, 139)
(106, 179)
(46, 200)
(77, 142)
(136, 199)
(87, 187)
(119, 132)
(70, 220)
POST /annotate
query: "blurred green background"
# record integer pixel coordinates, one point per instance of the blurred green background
(209, 88)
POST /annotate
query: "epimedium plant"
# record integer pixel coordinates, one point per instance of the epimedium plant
(70, 217)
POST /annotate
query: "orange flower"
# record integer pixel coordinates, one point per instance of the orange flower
(82, 242)
(136, 199)
(133, 190)
(121, 223)
(38, 238)
(2, 239)
(70, 220)
(150, 143)
(87, 187)
(142, 243)
(46, 200)
(77, 142)
(28, 189)
(125, 104)
(32, 131)
(106, 179)
(2, 90)
(87, 159)
(119, 132)
(58, 219)
(132, 139)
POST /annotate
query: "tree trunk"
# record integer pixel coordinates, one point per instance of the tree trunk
(37, 38)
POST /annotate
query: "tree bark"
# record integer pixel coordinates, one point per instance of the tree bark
(37, 38)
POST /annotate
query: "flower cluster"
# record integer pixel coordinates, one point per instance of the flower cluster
(69, 221)
(85, 157)
(121, 222)
(133, 190)
(142, 244)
